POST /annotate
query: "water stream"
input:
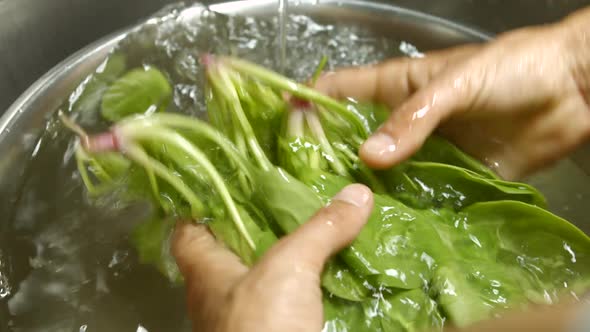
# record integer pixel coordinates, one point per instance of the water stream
(283, 12)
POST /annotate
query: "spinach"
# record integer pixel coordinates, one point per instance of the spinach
(388, 248)
(137, 92)
(403, 311)
(87, 96)
(291, 203)
(438, 150)
(150, 239)
(447, 243)
(505, 254)
(425, 184)
(402, 247)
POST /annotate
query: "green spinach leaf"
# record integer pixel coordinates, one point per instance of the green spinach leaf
(428, 184)
(139, 91)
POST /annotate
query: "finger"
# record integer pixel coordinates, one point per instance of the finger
(331, 229)
(392, 81)
(209, 269)
(408, 127)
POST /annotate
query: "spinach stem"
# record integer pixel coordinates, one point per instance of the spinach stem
(80, 158)
(138, 155)
(295, 125)
(299, 90)
(221, 78)
(242, 177)
(70, 124)
(99, 170)
(203, 129)
(370, 177)
(239, 139)
(296, 130)
(164, 135)
(153, 183)
(197, 127)
(316, 128)
(319, 69)
(346, 151)
(83, 162)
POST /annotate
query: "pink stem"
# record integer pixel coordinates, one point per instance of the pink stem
(207, 59)
(103, 142)
(299, 103)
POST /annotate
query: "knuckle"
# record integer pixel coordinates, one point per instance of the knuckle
(238, 292)
(335, 212)
(339, 221)
(400, 119)
(418, 75)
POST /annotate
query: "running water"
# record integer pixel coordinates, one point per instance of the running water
(282, 56)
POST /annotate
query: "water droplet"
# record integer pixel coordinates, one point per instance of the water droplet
(410, 50)
(570, 251)
(5, 288)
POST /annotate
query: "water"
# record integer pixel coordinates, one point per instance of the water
(71, 267)
(5, 288)
(282, 56)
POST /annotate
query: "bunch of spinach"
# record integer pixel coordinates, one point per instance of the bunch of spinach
(448, 242)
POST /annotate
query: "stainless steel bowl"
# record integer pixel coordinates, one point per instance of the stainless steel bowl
(567, 186)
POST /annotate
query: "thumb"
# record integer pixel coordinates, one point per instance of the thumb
(209, 269)
(330, 230)
(408, 127)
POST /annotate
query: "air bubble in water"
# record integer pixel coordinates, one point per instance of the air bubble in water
(5, 288)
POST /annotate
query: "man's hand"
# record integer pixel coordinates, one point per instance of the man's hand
(282, 291)
(518, 103)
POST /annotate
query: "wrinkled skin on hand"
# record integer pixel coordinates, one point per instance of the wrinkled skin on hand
(282, 291)
(518, 103)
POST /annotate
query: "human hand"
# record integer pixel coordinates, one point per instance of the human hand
(282, 291)
(518, 103)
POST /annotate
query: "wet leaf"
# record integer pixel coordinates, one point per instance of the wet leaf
(139, 91)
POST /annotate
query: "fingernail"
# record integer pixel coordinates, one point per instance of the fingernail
(355, 194)
(379, 145)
